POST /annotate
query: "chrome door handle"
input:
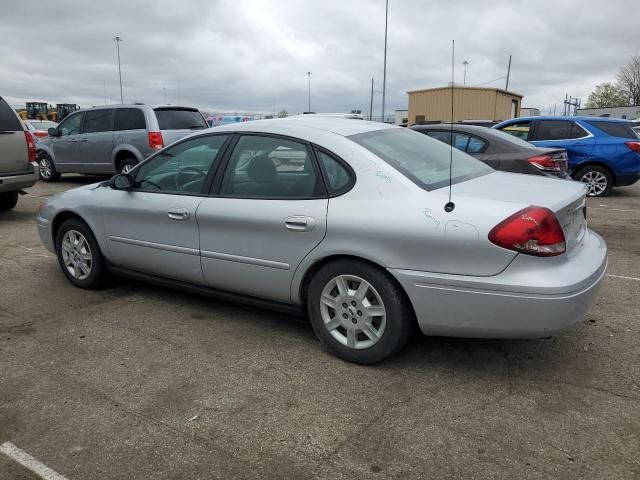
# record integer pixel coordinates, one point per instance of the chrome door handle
(299, 223)
(178, 213)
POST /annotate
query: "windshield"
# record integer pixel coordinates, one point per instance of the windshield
(423, 160)
(180, 119)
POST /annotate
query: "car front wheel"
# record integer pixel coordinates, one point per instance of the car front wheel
(46, 168)
(598, 180)
(79, 254)
(358, 312)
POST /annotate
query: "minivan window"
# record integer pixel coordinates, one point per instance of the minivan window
(615, 129)
(9, 121)
(180, 119)
(423, 160)
(71, 125)
(98, 121)
(129, 119)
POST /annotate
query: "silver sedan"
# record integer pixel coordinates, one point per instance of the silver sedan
(352, 222)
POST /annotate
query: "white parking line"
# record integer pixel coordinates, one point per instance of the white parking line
(623, 277)
(27, 461)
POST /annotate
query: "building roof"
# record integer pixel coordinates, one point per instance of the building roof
(464, 87)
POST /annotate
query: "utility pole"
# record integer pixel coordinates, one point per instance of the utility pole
(309, 89)
(105, 92)
(464, 81)
(384, 74)
(508, 74)
(371, 102)
(164, 92)
(118, 40)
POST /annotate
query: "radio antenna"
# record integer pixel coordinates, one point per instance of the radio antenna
(450, 206)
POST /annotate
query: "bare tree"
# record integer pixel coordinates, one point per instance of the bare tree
(629, 79)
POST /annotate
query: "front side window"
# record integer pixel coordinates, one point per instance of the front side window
(182, 168)
(70, 125)
(519, 130)
(421, 159)
(270, 167)
(98, 121)
(337, 176)
(129, 119)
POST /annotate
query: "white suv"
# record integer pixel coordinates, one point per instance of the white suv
(18, 164)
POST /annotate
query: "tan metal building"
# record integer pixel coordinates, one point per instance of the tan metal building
(469, 103)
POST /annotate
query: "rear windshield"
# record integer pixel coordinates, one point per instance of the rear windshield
(615, 129)
(180, 119)
(44, 125)
(423, 160)
(9, 121)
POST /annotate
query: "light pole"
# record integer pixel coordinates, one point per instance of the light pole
(384, 74)
(309, 90)
(118, 40)
(464, 81)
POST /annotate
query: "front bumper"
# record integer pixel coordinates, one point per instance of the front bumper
(13, 183)
(532, 298)
(45, 233)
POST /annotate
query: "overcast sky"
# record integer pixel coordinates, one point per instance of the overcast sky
(253, 55)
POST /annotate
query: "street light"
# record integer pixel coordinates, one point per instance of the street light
(384, 74)
(465, 63)
(118, 40)
(309, 82)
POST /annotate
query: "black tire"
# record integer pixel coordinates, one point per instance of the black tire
(8, 201)
(47, 169)
(128, 164)
(97, 272)
(400, 320)
(592, 172)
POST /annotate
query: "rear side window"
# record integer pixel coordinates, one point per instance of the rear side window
(338, 178)
(129, 119)
(98, 121)
(559, 130)
(519, 130)
(9, 121)
(180, 119)
(615, 129)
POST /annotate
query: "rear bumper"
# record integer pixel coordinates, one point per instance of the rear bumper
(13, 183)
(532, 298)
(627, 179)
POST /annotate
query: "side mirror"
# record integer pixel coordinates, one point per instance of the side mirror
(122, 181)
(52, 132)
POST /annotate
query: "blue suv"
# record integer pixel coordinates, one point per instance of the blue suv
(603, 152)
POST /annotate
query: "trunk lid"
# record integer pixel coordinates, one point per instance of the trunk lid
(565, 198)
(14, 153)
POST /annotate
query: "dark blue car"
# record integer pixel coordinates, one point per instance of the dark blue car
(603, 152)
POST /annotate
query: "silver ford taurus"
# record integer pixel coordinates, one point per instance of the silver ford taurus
(344, 219)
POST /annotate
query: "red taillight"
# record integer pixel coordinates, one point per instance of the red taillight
(532, 230)
(545, 163)
(155, 140)
(635, 146)
(31, 146)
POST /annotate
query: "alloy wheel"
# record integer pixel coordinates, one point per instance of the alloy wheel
(595, 181)
(76, 255)
(45, 168)
(126, 168)
(353, 311)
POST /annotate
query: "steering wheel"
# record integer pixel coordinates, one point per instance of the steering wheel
(180, 173)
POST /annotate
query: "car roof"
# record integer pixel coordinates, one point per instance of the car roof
(134, 105)
(580, 118)
(339, 126)
(462, 127)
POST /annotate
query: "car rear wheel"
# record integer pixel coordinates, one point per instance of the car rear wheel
(8, 201)
(598, 180)
(79, 254)
(359, 313)
(127, 165)
(46, 168)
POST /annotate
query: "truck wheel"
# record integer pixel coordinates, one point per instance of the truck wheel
(8, 201)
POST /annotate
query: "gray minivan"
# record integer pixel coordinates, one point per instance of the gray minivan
(114, 138)
(17, 157)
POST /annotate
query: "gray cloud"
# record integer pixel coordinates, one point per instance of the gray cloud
(254, 55)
